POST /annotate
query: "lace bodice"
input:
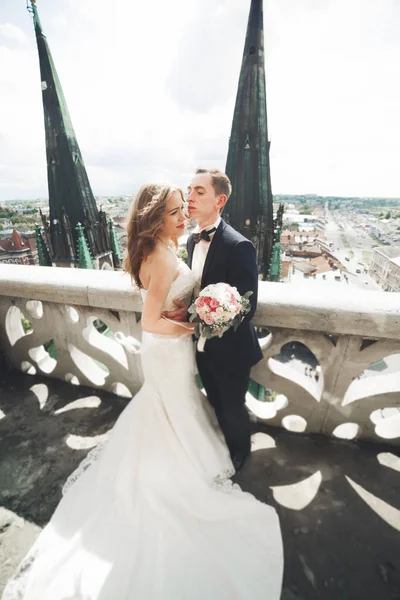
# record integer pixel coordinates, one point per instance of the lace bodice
(181, 288)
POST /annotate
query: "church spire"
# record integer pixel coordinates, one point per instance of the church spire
(250, 208)
(43, 252)
(71, 198)
(84, 257)
(116, 248)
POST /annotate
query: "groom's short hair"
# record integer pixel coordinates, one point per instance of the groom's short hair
(219, 180)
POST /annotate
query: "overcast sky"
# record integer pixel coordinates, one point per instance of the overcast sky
(151, 87)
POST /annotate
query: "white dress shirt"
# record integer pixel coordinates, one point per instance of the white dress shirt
(200, 254)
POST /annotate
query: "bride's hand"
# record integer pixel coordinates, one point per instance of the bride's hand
(177, 315)
(190, 327)
(218, 332)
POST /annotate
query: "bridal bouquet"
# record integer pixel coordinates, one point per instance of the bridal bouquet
(218, 308)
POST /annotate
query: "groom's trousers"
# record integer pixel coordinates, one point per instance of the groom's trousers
(226, 392)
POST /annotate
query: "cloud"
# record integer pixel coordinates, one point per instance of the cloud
(59, 21)
(151, 89)
(209, 56)
(12, 32)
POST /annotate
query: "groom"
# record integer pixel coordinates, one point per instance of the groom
(218, 253)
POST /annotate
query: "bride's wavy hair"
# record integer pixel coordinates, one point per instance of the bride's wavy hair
(144, 222)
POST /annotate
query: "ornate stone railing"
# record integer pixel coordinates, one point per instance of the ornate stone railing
(346, 333)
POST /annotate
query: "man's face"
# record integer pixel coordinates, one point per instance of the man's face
(204, 203)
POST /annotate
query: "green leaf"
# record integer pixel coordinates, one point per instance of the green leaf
(247, 295)
(235, 326)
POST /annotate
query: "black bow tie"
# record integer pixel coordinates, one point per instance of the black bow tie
(203, 235)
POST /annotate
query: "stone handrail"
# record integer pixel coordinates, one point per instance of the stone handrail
(346, 330)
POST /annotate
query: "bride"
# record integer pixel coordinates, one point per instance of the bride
(156, 516)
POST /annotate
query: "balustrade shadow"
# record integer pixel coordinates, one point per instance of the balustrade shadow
(44, 437)
(339, 509)
(338, 501)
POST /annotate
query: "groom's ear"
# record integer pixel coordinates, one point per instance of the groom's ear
(222, 199)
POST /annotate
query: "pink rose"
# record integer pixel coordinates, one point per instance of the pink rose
(200, 302)
(208, 319)
(202, 313)
(214, 303)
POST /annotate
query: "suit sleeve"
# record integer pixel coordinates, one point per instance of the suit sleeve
(243, 272)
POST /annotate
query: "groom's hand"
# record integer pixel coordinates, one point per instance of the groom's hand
(177, 315)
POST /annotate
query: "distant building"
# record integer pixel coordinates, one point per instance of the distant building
(316, 266)
(295, 235)
(385, 268)
(305, 267)
(297, 244)
(303, 250)
(286, 270)
(18, 250)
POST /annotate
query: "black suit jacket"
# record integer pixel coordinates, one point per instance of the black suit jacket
(231, 259)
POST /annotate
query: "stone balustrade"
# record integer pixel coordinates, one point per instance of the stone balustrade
(352, 390)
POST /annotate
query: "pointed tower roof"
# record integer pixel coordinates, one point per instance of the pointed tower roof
(43, 252)
(84, 257)
(275, 265)
(250, 208)
(116, 248)
(70, 194)
(17, 242)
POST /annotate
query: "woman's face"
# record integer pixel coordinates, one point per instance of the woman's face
(175, 216)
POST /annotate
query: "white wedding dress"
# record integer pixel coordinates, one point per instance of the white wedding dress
(155, 516)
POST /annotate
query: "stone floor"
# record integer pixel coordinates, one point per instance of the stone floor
(338, 502)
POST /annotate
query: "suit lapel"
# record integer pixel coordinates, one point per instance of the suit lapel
(190, 249)
(213, 250)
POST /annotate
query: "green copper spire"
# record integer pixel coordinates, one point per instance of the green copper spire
(35, 15)
(84, 257)
(71, 198)
(250, 208)
(274, 273)
(43, 252)
(116, 249)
